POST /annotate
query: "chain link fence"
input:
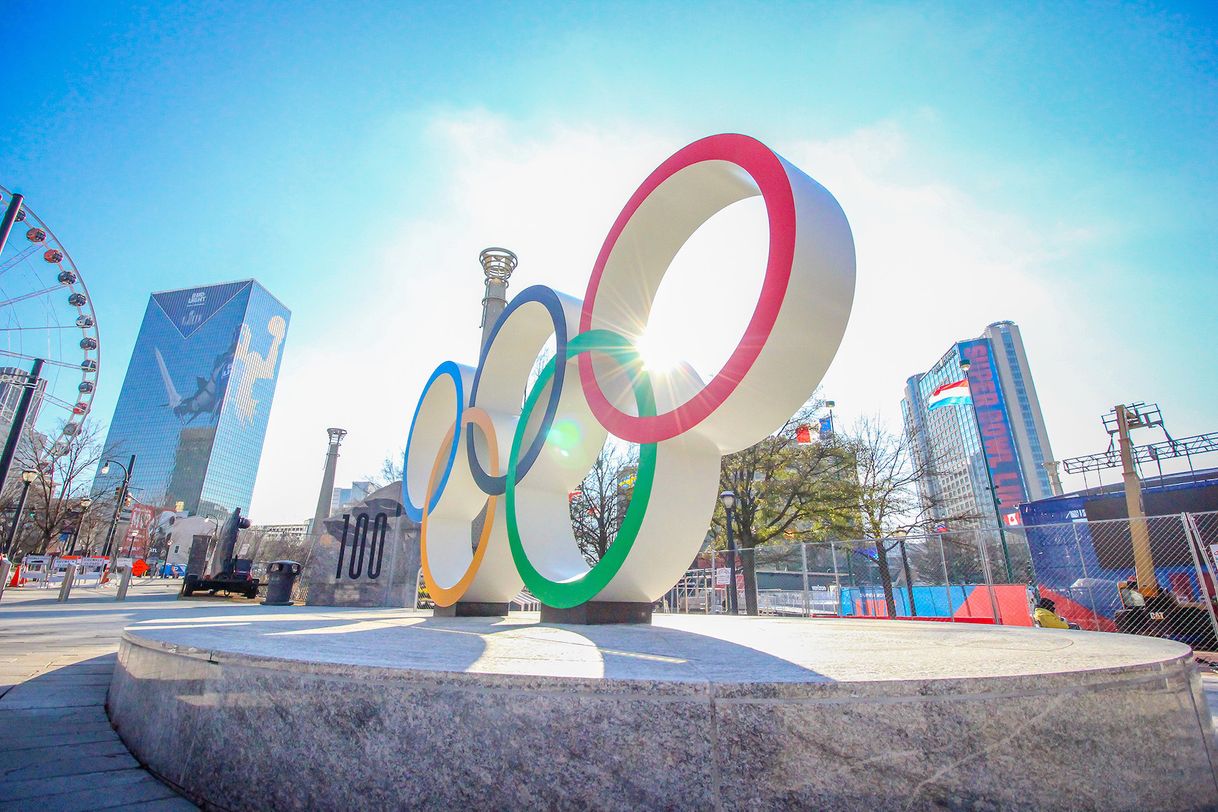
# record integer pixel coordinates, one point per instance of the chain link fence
(1084, 573)
(1152, 576)
(941, 576)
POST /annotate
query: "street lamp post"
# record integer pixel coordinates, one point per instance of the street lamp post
(122, 496)
(729, 505)
(27, 478)
(965, 364)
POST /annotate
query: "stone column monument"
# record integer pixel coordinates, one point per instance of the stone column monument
(326, 495)
(324, 498)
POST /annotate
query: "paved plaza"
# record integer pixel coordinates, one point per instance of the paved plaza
(56, 662)
(57, 749)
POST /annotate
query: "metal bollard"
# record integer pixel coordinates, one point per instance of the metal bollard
(124, 582)
(65, 589)
(6, 567)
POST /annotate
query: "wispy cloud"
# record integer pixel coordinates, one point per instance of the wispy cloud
(934, 266)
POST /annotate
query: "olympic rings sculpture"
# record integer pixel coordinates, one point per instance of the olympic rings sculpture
(474, 451)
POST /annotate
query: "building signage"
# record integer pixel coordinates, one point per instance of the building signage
(476, 460)
(996, 436)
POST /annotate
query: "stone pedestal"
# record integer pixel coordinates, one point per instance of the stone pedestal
(599, 612)
(393, 709)
(472, 609)
(391, 584)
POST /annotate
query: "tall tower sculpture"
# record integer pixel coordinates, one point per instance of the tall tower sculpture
(327, 481)
(497, 266)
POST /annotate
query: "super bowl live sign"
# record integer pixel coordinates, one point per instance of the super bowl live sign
(193, 317)
(472, 447)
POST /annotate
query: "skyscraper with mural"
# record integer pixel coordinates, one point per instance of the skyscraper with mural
(994, 422)
(194, 405)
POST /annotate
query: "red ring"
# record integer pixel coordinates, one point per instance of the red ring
(767, 171)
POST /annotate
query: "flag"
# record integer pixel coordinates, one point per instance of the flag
(949, 394)
(826, 427)
(940, 527)
(803, 435)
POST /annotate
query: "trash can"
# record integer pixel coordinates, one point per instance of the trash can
(281, 577)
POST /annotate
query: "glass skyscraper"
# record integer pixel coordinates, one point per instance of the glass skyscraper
(194, 405)
(946, 443)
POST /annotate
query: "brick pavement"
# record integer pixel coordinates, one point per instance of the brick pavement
(57, 749)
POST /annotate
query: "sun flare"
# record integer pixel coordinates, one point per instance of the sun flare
(658, 352)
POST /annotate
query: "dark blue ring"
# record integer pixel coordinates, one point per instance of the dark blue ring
(494, 486)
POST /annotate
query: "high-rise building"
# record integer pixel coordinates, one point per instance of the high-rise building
(946, 440)
(344, 498)
(12, 380)
(195, 402)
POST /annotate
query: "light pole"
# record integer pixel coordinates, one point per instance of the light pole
(965, 364)
(122, 496)
(729, 505)
(27, 478)
(900, 535)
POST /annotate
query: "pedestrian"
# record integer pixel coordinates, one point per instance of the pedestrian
(1046, 615)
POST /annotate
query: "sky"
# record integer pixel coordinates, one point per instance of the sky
(1050, 163)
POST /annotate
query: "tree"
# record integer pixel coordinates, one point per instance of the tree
(890, 501)
(599, 505)
(54, 503)
(390, 470)
(264, 545)
(784, 488)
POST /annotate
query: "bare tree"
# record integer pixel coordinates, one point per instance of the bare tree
(262, 544)
(390, 470)
(599, 506)
(890, 501)
(54, 504)
(785, 489)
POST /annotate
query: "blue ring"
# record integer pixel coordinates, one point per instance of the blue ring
(496, 485)
(450, 369)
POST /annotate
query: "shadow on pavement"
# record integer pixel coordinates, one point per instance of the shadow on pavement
(58, 751)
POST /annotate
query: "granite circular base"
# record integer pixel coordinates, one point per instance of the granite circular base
(392, 709)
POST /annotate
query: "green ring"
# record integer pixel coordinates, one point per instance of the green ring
(583, 588)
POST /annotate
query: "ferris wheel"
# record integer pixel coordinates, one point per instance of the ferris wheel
(45, 314)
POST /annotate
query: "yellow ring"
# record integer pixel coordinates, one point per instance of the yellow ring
(447, 596)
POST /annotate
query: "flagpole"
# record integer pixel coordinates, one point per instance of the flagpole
(989, 476)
